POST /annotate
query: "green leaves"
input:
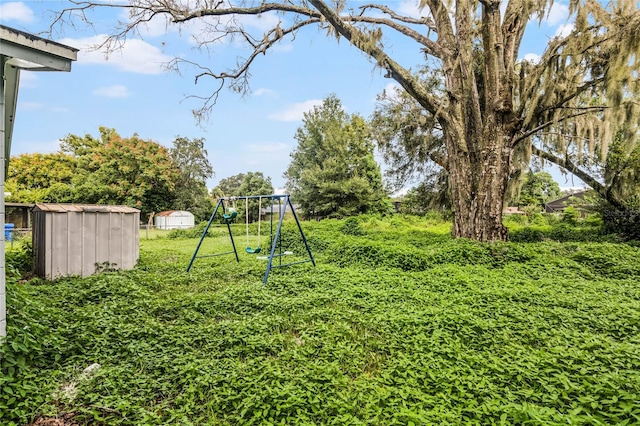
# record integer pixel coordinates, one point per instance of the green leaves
(398, 324)
(333, 172)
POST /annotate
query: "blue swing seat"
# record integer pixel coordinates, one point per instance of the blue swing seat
(227, 216)
(253, 250)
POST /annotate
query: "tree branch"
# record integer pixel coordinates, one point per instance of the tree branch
(240, 74)
(430, 47)
(406, 19)
(440, 159)
(531, 132)
(364, 43)
(444, 26)
(568, 165)
(257, 10)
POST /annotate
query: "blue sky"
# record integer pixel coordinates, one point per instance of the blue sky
(132, 93)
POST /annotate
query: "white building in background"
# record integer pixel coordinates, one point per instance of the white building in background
(174, 219)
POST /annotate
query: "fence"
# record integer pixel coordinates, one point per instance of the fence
(12, 235)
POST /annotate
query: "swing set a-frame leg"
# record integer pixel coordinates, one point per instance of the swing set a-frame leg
(304, 239)
(204, 234)
(276, 239)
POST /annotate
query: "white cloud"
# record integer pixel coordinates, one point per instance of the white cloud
(267, 147)
(30, 146)
(30, 106)
(557, 13)
(412, 9)
(532, 57)
(295, 111)
(40, 146)
(35, 106)
(263, 91)
(564, 30)
(16, 11)
(262, 22)
(392, 91)
(136, 56)
(115, 91)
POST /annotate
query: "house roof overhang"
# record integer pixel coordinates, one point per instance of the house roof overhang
(24, 51)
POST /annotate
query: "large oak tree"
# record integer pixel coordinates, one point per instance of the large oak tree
(491, 107)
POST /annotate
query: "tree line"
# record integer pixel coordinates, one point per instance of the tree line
(332, 171)
(115, 170)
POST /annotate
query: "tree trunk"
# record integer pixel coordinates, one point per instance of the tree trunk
(478, 183)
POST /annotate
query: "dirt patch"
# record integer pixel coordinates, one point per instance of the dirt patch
(65, 420)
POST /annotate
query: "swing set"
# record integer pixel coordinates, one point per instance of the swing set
(227, 206)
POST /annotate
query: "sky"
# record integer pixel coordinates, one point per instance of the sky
(131, 91)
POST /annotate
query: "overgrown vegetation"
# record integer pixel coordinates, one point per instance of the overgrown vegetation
(398, 324)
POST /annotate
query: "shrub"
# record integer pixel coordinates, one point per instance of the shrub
(625, 222)
(196, 231)
(351, 226)
(20, 258)
(526, 235)
(570, 215)
(22, 386)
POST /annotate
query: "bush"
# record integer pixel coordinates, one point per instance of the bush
(196, 232)
(20, 258)
(527, 235)
(21, 354)
(623, 222)
(388, 326)
(570, 215)
(351, 226)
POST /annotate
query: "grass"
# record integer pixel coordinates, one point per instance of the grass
(398, 324)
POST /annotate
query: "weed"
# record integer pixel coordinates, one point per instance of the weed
(398, 324)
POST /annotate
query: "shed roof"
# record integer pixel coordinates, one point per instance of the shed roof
(90, 208)
(175, 212)
(24, 205)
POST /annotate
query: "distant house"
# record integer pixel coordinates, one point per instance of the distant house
(575, 199)
(174, 219)
(266, 212)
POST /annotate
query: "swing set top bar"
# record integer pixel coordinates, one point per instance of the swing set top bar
(254, 197)
(275, 241)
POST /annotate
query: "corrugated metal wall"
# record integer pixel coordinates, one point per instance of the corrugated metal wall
(82, 239)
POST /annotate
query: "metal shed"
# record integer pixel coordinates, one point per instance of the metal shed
(174, 219)
(80, 239)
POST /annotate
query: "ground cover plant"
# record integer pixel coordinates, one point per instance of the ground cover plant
(398, 324)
